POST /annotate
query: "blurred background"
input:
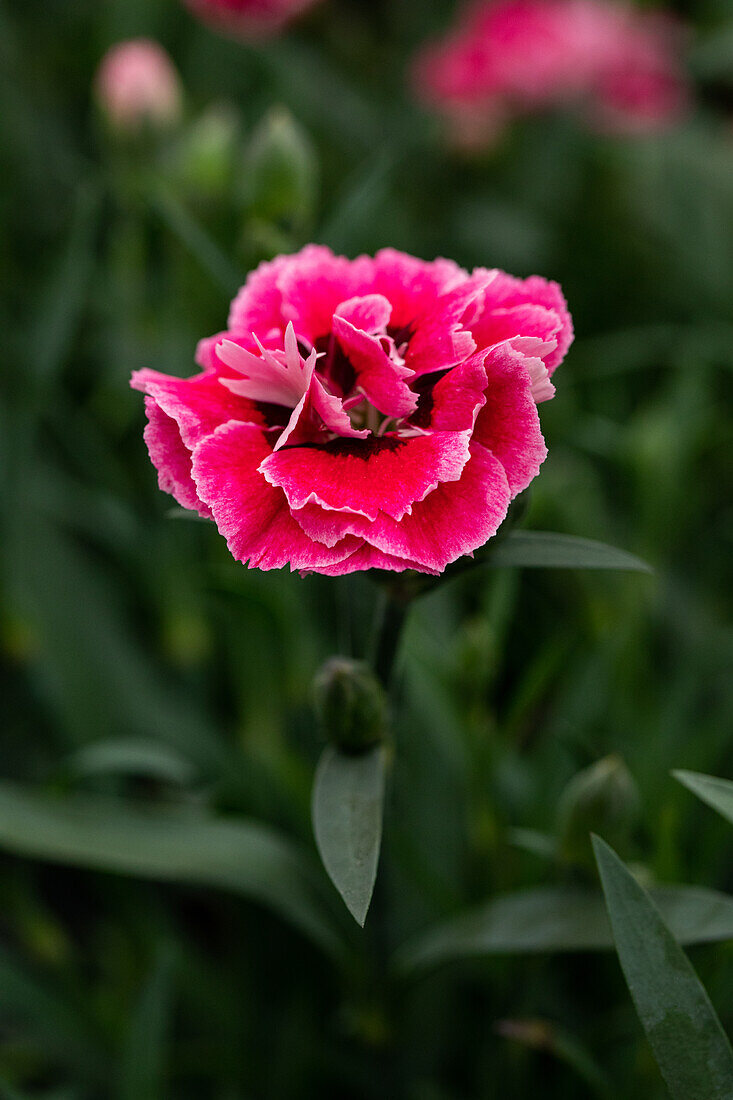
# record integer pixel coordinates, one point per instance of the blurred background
(155, 694)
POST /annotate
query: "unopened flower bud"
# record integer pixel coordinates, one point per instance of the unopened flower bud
(137, 85)
(351, 704)
(601, 799)
(280, 170)
(206, 154)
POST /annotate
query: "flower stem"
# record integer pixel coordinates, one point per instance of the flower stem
(390, 619)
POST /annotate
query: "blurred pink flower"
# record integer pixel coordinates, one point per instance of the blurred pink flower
(136, 83)
(248, 18)
(621, 66)
(642, 84)
(374, 413)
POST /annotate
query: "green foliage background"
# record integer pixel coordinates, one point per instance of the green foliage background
(140, 663)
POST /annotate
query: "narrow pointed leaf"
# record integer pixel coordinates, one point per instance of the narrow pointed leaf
(546, 550)
(170, 845)
(689, 1044)
(348, 803)
(717, 793)
(556, 919)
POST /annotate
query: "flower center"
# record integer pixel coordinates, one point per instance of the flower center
(334, 366)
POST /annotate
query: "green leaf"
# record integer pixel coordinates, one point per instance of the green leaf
(717, 793)
(171, 845)
(143, 1062)
(689, 1044)
(547, 550)
(560, 919)
(132, 757)
(348, 802)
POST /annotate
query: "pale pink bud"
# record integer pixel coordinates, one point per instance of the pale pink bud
(137, 84)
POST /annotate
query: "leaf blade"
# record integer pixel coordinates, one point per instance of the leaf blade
(348, 802)
(233, 854)
(551, 919)
(689, 1044)
(548, 550)
(714, 792)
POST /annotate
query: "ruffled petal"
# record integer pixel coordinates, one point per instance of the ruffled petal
(505, 292)
(528, 319)
(258, 306)
(371, 313)
(508, 424)
(253, 517)
(382, 380)
(199, 404)
(315, 283)
(368, 476)
(450, 401)
(454, 520)
(171, 458)
(368, 557)
(329, 526)
(318, 410)
(411, 285)
(276, 377)
(439, 340)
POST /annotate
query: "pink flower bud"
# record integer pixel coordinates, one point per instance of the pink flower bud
(248, 18)
(136, 83)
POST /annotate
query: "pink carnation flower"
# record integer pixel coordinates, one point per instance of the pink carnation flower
(515, 56)
(380, 412)
(137, 83)
(248, 18)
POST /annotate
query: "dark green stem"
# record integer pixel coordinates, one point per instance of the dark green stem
(391, 617)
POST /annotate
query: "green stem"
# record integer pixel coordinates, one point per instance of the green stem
(391, 616)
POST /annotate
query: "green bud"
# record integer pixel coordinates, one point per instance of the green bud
(351, 704)
(601, 799)
(204, 159)
(280, 171)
